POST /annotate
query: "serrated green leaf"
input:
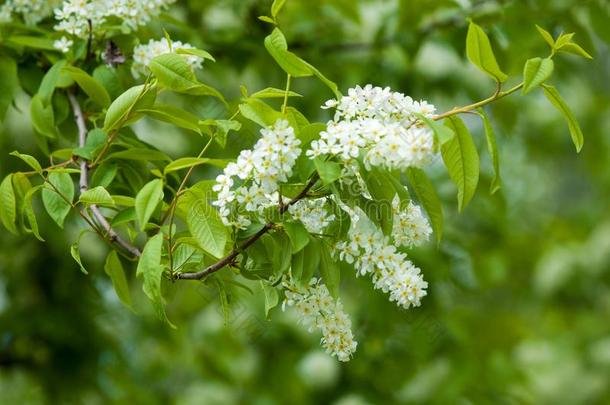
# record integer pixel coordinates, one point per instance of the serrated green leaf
(276, 6)
(123, 110)
(150, 268)
(8, 204)
(536, 72)
(260, 112)
(480, 53)
(56, 206)
(427, 197)
(206, 226)
(29, 160)
(147, 200)
(195, 52)
(547, 37)
(28, 211)
(271, 297)
(575, 49)
(114, 270)
(271, 92)
(276, 45)
(298, 235)
(462, 161)
(104, 174)
(553, 96)
(266, 19)
(329, 271)
(490, 135)
(49, 82)
(173, 115)
(90, 86)
(173, 71)
(97, 195)
(563, 40)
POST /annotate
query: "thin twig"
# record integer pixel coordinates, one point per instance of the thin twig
(84, 178)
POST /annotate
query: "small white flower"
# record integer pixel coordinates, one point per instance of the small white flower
(63, 44)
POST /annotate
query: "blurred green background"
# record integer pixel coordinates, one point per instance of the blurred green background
(518, 309)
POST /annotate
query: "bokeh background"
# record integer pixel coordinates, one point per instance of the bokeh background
(519, 299)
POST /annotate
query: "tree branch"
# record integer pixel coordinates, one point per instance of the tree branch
(84, 178)
(230, 258)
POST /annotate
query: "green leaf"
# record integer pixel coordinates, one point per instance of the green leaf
(8, 204)
(195, 52)
(104, 174)
(147, 200)
(329, 171)
(299, 237)
(90, 86)
(276, 6)
(536, 72)
(462, 161)
(493, 151)
(306, 262)
(260, 112)
(479, 52)
(563, 40)
(206, 226)
(575, 49)
(10, 82)
(124, 109)
(97, 195)
(114, 270)
(139, 154)
(75, 252)
(442, 133)
(29, 160)
(271, 92)
(187, 162)
(49, 82)
(96, 139)
(150, 268)
(173, 115)
(57, 206)
(427, 197)
(28, 211)
(547, 37)
(266, 19)
(271, 297)
(33, 42)
(43, 118)
(278, 48)
(173, 72)
(553, 95)
(329, 271)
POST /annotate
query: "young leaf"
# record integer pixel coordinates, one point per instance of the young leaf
(147, 200)
(150, 268)
(49, 82)
(90, 86)
(299, 237)
(114, 270)
(490, 135)
(8, 204)
(173, 71)
(173, 115)
(442, 133)
(479, 52)
(536, 72)
(575, 49)
(276, 6)
(28, 211)
(260, 112)
(75, 252)
(10, 81)
(547, 37)
(424, 190)
(58, 206)
(462, 161)
(271, 92)
(329, 171)
(195, 52)
(97, 195)
(122, 111)
(329, 271)
(206, 226)
(553, 96)
(30, 160)
(271, 297)
(184, 163)
(278, 48)
(43, 117)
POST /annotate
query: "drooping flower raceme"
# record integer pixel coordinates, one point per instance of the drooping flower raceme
(251, 184)
(409, 228)
(381, 124)
(372, 252)
(74, 16)
(313, 213)
(145, 53)
(318, 310)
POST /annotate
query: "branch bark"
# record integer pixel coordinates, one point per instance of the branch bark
(84, 179)
(230, 258)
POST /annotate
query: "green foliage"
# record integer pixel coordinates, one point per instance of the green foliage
(57, 196)
(536, 72)
(478, 50)
(147, 201)
(553, 96)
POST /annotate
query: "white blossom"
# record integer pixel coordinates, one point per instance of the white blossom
(410, 227)
(372, 253)
(381, 124)
(313, 214)
(145, 53)
(252, 183)
(63, 44)
(318, 310)
(30, 11)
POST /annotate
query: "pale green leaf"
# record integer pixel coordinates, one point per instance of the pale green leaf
(206, 226)
(57, 198)
(276, 6)
(8, 204)
(90, 86)
(480, 53)
(271, 297)
(173, 115)
(147, 200)
(124, 109)
(575, 49)
(553, 95)
(43, 117)
(49, 82)
(114, 270)
(329, 171)
(28, 211)
(97, 195)
(271, 92)
(298, 235)
(547, 37)
(490, 135)
(30, 160)
(536, 72)
(276, 45)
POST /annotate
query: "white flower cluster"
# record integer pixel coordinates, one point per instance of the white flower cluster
(372, 253)
(410, 227)
(31, 11)
(74, 15)
(313, 213)
(381, 124)
(318, 310)
(259, 173)
(145, 53)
